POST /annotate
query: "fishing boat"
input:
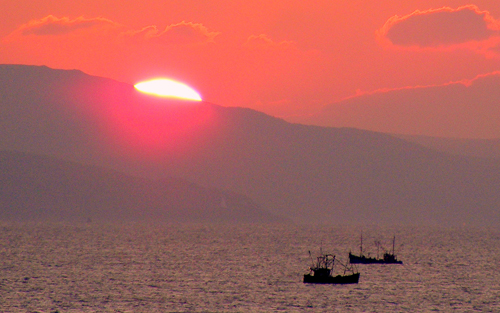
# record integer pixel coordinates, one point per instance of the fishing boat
(388, 257)
(322, 271)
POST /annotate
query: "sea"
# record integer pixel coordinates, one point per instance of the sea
(92, 267)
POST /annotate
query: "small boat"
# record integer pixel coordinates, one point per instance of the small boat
(321, 272)
(388, 258)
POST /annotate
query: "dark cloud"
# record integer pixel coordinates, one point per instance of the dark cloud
(51, 25)
(440, 27)
(262, 41)
(181, 33)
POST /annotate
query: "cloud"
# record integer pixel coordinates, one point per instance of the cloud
(183, 33)
(51, 25)
(180, 33)
(262, 41)
(466, 26)
(145, 33)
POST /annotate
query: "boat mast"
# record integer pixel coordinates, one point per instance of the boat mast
(393, 241)
(361, 245)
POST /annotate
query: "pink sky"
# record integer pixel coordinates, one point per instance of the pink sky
(285, 58)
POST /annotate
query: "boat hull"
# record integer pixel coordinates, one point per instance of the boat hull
(348, 279)
(354, 259)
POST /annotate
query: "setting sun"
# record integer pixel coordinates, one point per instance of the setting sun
(168, 88)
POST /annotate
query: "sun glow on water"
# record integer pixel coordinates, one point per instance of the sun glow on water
(168, 88)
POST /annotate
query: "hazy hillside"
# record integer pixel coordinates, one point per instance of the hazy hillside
(36, 188)
(483, 148)
(307, 173)
(346, 175)
(467, 109)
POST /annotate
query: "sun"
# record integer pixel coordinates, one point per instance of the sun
(168, 88)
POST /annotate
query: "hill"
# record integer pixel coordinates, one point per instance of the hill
(463, 109)
(36, 188)
(482, 148)
(306, 173)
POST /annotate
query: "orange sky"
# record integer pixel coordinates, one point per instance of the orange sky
(285, 58)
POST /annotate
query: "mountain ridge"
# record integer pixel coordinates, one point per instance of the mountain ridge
(306, 173)
(462, 109)
(482, 148)
(40, 188)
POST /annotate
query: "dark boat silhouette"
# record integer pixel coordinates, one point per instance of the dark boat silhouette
(321, 272)
(388, 257)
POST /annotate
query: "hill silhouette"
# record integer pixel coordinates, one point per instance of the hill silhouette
(37, 188)
(306, 173)
(463, 109)
(482, 148)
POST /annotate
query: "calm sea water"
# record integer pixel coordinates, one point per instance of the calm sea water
(217, 268)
